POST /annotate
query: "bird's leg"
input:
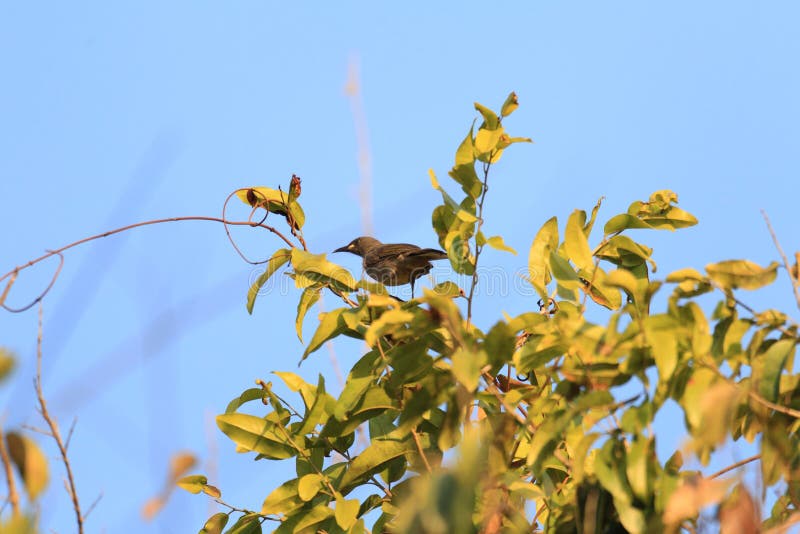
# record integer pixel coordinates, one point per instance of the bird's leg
(412, 287)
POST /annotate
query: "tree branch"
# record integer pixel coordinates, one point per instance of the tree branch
(56, 434)
(794, 278)
(735, 466)
(13, 496)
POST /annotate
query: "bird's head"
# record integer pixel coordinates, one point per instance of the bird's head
(360, 245)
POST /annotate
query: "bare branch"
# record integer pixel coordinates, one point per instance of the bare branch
(792, 276)
(51, 423)
(50, 253)
(13, 496)
(735, 466)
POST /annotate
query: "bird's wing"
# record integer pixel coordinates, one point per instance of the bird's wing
(430, 254)
(394, 250)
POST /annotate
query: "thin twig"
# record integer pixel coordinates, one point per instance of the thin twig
(421, 451)
(13, 496)
(69, 433)
(777, 407)
(92, 506)
(478, 248)
(794, 279)
(42, 294)
(70, 482)
(57, 252)
(735, 466)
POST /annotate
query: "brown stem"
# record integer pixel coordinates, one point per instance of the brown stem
(13, 496)
(735, 466)
(771, 405)
(57, 252)
(421, 451)
(51, 423)
(795, 279)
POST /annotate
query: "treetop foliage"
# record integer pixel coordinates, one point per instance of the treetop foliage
(443, 427)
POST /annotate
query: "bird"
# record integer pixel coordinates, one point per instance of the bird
(393, 264)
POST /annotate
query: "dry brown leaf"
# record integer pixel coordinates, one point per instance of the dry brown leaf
(693, 495)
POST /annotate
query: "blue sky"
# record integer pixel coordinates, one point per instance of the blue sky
(113, 114)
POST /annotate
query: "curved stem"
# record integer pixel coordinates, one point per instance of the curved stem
(478, 248)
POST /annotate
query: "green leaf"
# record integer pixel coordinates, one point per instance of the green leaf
(215, 524)
(563, 272)
(346, 512)
(774, 361)
(280, 257)
(509, 105)
(331, 325)
(466, 176)
(316, 515)
(659, 212)
(623, 251)
(389, 321)
(635, 284)
(247, 396)
(256, 434)
(247, 524)
(373, 459)
(467, 365)
(307, 299)
(623, 221)
(490, 120)
(309, 485)
(283, 499)
(600, 290)
(662, 336)
(682, 275)
(449, 203)
(486, 141)
(317, 268)
(193, 483)
(546, 241)
(575, 243)
(30, 462)
(741, 274)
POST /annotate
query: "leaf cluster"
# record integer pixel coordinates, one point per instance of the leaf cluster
(444, 427)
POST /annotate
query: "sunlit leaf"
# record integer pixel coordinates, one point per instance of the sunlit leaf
(30, 461)
(490, 119)
(280, 257)
(215, 523)
(273, 201)
(307, 299)
(256, 434)
(496, 242)
(309, 485)
(193, 483)
(575, 243)
(331, 325)
(317, 268)
(372, 459)
(741, 274)
(774, 363)
(7, 363)
(510, 105)
(546, 241)
(346, 512)
(247, 524)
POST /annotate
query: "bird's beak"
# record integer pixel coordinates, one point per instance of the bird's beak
(345, 248)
